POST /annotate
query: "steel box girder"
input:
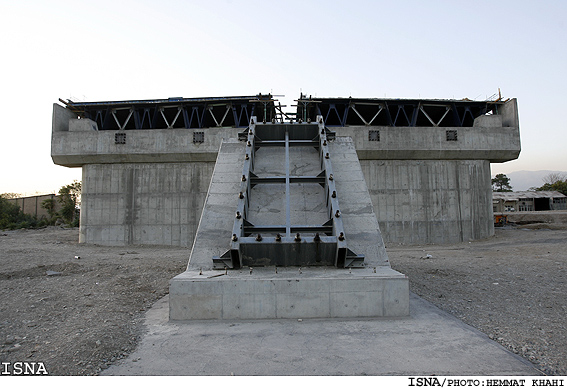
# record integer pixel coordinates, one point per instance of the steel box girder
(288, 252)
(326, 229)
(288, 247)
(325, 251)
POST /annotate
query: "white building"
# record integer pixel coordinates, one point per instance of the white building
(528, 201)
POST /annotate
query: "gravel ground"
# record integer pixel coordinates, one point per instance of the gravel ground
(89, 313)
(80, 321)
(512, 287)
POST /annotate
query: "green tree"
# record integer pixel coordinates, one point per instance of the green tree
(70, 199)
(501, 183)
(11, 195)
(554, 182)
(49, 206)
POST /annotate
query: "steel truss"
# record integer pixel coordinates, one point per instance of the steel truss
(237, 111)
(284, 245)
(176, 112)
(395, 112)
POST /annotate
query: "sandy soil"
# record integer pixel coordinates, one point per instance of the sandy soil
(89, 313)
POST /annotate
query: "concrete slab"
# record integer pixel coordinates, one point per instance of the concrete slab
(428, 342)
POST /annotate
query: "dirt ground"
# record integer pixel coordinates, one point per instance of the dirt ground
(512, 287)
(82, 320)
(89, 313)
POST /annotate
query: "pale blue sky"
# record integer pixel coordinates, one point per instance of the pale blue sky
(114, 50)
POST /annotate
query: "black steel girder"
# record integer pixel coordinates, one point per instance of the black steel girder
(176, 112)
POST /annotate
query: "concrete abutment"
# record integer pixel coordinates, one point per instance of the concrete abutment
(411, 183)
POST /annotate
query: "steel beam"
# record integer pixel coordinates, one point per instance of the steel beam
(151, 114)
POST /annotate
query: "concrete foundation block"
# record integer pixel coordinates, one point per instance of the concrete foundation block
(357, 304)
(265, 294)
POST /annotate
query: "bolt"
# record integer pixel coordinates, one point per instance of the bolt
(322, 130)
(317, 238)
(264, 122)
(234, 237)
(247, 157)
(259, 238)
(248, 144)
(341, 236)
(276, 270)
(238, 215)
(337, 214)
(278, 238)
(274, 121)
(200, 271)
(349, 270)
(297, 237)
(334, 195)
(330, 177)
(300, 121)
(321, 120)
(250, 132)
(243, 178)
(326, 155)
(241, 195)
(374, 270)
(250, 270)
(308, 120)
(325, 142)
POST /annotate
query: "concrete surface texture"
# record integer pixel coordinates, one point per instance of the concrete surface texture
(431, 201)
(143, 203)
(429, 342)
(261, 293)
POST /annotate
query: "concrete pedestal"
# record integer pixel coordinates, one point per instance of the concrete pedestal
(289, 293)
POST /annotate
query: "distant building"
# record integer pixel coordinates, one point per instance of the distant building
(528, 201)
(31, 205)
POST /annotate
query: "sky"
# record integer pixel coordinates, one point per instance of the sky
(119, 50)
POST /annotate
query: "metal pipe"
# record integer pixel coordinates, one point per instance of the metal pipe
(287, 189)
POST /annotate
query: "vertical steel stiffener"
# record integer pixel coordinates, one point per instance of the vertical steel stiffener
(288, 245)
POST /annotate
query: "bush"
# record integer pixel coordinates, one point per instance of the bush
(12, 217)
(10, 214)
